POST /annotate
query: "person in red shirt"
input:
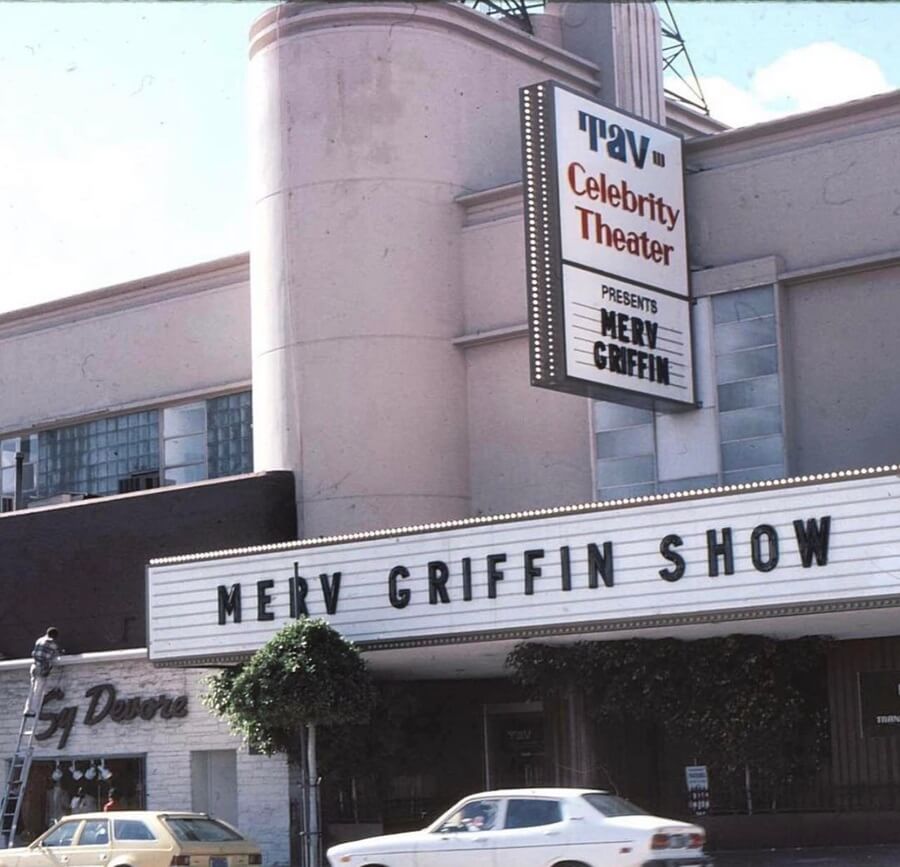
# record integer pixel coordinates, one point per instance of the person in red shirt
(113, 802)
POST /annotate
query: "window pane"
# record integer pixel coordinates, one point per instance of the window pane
(229, 435)
(479, 815)
(760, 452)
(608, 416)
(629, 442)
(94, 833)
(28, 477)
(734, 336)
(753, 422)
(624, 492)
(184, 475)
(92, 457)
(62, 835)
(695, 483)
(745, 304)
(612, 805)
(193, 830)
(189, 418)
(530, 813)
(185, 450)
(756, 392)
(756, 474)
(8, 449)
(747, 364)
(132, 829)
(626, 471)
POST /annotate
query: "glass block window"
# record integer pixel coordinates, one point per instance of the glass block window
(229, 434)
(184, 443)
(751, 430)
(625, 451)
(93, 456)
(191, 442)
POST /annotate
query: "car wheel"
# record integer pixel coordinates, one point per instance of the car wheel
(571, 864)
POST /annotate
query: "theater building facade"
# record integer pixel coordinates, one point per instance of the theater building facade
(348, 423)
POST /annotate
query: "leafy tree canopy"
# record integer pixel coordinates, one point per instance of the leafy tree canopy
(741, 699)
(307, 674)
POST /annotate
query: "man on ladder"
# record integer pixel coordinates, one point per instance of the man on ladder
(45, 653)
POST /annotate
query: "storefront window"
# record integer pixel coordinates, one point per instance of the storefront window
(78, 785)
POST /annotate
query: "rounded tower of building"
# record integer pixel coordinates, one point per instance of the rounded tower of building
(368, 121)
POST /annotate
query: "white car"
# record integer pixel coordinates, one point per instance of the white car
(535, 828)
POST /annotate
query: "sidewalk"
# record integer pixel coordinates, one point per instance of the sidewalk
(835, 856)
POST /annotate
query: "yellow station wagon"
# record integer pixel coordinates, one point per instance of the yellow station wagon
(136, 838)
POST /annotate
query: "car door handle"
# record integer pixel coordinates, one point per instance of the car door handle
(479, 839)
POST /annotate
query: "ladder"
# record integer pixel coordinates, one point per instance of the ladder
(17, 779)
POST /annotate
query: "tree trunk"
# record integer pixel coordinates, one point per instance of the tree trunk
(314, 835)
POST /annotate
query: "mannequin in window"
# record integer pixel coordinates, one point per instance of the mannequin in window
(57, 804)
(83, 802)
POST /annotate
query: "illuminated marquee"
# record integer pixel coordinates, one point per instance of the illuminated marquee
(608, 293)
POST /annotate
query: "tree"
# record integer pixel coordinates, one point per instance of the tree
(305, 676)
(744, 701)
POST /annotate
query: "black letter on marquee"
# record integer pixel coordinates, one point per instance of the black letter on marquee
(715, 549)
(565, 567)
(438, 573)
(330, 590)
(493, 573)
(229, 603)
(756, 536)
(399, 598)
(467, 579)
(299, 589)
(532, 571)
(813, 539)
(671, 541)
(600, 564)
(263, 599)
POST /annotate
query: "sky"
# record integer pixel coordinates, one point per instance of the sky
(123, 147)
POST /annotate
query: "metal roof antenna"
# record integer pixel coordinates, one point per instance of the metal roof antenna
(682, 83)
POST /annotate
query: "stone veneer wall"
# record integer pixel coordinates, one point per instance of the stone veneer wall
(263, 808)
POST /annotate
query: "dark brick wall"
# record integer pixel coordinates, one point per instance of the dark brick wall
(81, 566)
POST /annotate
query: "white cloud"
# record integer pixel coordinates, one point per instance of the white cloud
(803, 79)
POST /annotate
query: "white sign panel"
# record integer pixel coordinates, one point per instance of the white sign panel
(588, 570)
(696, 777)
(606, 243)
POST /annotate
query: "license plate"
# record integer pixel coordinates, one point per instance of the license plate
(218, 862)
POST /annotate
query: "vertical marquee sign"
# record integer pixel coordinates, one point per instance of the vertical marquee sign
(606, 248)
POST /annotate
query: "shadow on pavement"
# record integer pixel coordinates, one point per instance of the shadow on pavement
(849, 856)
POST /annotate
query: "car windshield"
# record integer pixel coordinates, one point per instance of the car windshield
(612, 805)
(199, 830)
